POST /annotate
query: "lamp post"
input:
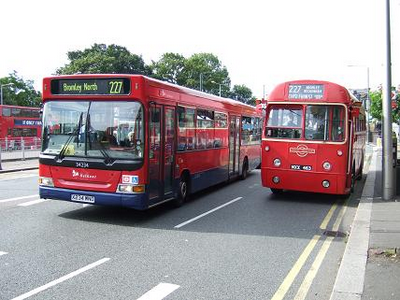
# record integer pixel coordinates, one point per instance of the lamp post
(220, 86)
(1, 90)
(368, 102)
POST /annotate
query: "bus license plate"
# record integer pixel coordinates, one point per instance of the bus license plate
(301, 167)
(82, 198)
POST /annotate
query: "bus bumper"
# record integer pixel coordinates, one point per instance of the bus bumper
(135, 201)
(304, 181)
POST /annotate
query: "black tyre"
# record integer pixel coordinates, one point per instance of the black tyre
(276, 191)
(245, 170)
(183, 192)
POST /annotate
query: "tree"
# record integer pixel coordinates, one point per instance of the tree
(19, 92)
(243, 94)
(204, 71)
(169, 67)
(376, 106)
(103, 59)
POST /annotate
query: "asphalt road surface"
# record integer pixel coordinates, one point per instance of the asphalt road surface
(233, 241)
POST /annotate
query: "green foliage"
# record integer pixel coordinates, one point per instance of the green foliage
(103, 59)
(19, 92)
(201, 71)
(169, 67)
(376, 106)
(205, 72)
(243, 94)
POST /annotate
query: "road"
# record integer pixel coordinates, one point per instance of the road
(234, 241)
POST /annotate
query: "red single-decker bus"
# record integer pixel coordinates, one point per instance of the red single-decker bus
(314, 138)
(133, 141)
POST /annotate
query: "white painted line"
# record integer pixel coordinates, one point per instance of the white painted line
(207, 213)
(64, 278)
(18, 198)
(3, 253)
(32, 202)
(160, 291)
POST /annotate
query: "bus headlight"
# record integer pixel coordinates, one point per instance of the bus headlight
(276, 179)
(277, 162)
(325, 184)
(266, 148)
(46, 181)
(327, 166)
(339, 152)
(129, 188)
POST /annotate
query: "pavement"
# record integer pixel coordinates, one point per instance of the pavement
(370, 267)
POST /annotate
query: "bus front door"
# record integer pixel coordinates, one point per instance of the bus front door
(234, 151)
(161, 155)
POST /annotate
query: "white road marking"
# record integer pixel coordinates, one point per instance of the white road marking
(18, 198)
(32, 202)
(3, 253)
(64, 278)
(160, 291)
(207, 213)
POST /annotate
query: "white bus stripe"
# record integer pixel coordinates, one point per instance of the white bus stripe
(18, 198)
(32, 202)
(64, 278)
(206, 213)
(160, 291)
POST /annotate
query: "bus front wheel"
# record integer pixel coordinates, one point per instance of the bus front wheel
(276, 191)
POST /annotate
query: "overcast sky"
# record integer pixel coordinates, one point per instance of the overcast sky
(262, 43)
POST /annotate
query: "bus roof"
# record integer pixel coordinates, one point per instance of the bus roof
(156, 88)
(312, 91)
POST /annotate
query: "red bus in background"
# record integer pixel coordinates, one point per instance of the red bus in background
(133, 141)
(19, 123)
(314, 138)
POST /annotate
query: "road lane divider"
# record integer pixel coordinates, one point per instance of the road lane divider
(62, 279)
(18, 198)
(291, 276)
(33, 202)
(3, 253)
(159, 292)
(207, 213)
(311, 274)
(328, 217)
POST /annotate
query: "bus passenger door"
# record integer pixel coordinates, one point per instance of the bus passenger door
(161, 155)
(155, 182)
(234, 150)
(169, 149)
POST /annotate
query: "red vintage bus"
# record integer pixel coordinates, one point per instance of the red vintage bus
(19, 122)
(133, 141)
(314, 138)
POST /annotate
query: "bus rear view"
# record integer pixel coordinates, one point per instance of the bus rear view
(313, 139)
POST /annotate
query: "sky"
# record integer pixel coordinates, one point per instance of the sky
(261, 42)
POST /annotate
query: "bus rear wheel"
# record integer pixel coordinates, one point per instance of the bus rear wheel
(183, 192)
(245, 170)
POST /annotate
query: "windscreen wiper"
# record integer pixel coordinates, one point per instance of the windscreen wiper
(61, 155)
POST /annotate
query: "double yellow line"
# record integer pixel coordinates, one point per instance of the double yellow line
(308, 279)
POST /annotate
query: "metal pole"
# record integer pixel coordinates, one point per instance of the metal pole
(367, 106)
(220, 89)
(387, 142)
(1, 93)
(0, 157)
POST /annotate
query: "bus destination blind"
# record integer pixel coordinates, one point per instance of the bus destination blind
(98, 86)
(306, 91)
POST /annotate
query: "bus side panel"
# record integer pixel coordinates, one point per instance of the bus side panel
(206, 168)
(253, 154)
